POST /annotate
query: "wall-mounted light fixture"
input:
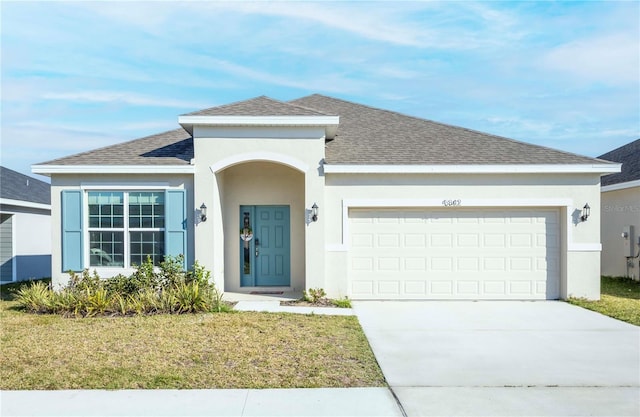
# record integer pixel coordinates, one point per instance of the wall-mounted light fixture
(314, 212)
(586, 212)
(203, 213)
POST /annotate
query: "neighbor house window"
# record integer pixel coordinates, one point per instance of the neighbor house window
(125, 228)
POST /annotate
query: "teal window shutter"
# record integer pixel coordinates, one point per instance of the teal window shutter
(72, 236)
(176, 224)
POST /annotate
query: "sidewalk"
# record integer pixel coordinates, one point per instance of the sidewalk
(232, 402)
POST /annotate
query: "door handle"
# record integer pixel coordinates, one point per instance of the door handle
(257, 252)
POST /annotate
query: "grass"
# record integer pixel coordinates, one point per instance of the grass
(620, 299)
(235, 350)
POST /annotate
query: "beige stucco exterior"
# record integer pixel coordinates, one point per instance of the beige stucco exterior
(259, 166)
(620, 212)
(283, 165)
(580, 246)
(115, 182)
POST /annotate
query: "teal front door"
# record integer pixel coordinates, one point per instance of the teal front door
(265, 250)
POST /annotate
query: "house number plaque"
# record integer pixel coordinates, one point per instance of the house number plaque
(451, 203)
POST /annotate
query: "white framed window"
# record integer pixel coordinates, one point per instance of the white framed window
(125, 227)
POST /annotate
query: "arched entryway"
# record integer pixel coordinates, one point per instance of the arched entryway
(265, 202)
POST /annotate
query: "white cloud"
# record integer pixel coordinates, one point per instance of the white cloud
(62, 138)
(119, 97)
(611, 59)
(328, 82)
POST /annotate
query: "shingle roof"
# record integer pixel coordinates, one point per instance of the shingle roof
(259, 106)
(368, 135)
(17, 186)
(174, 147)
(365, 136)
(629, 156)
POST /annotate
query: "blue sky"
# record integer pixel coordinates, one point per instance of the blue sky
(77, 76)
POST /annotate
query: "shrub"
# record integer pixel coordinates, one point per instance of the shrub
(122, 285)
(96, 302)
(199, 274)
(167, 301)
(84, 281)
(35, 298)
(144, 277)
(171, 271)
(149, 290)
(190, 297)
(313, 295)
(342, 302)
(119, 304)
(66, 302)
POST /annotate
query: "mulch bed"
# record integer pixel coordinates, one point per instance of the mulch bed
(323, 302)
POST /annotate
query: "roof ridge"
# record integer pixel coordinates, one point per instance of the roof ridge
(115, 144)
(452, 126)
(308, 108)
(222, 106)
(261, 97)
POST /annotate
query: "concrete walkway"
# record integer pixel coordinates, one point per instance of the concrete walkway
(233, 402)
(507, 358)
(275, 307)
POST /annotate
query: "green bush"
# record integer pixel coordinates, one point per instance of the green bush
(171, 271)
(314, 295)
(166, 289)
(36, 298)
(342, 302)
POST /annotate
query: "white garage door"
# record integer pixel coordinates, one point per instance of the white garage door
(454, 254)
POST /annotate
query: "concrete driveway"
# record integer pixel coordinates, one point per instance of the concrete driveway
(504, 358)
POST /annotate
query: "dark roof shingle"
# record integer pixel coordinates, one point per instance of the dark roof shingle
(629, 156)
(368, 135)
(17, 186)
(174, 147)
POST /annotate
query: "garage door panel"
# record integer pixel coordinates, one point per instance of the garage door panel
(471, 254)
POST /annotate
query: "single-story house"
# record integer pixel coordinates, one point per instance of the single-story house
(320, 192)
(620, 208)
(25, 227)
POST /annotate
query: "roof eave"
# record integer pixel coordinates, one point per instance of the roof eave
(475, 169)
(21, 203)
(330, 123)
(620, 186)
(49, 170)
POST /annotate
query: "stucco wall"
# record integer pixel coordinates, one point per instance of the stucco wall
(261, 165)
(620, 208)
(138, 182)
(581, 240)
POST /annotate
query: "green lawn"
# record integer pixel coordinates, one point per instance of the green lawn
(221, 350)
(620, 299)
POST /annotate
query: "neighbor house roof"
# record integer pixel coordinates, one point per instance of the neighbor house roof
(17, 186)
(365, 136)
(629, 156)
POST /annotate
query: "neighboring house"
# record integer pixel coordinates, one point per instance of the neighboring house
(406, 208)
(25, 227)
(621, 214)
